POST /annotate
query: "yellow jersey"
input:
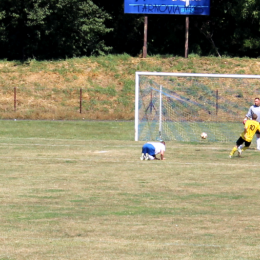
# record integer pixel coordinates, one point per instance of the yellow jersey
(251, 127)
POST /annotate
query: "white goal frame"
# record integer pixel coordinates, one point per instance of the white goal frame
(140, 73)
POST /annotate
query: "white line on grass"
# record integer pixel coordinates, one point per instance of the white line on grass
(14, 144)
(40, 138)
(66, 145)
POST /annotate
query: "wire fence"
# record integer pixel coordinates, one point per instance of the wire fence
(43, 103)
(64, 103)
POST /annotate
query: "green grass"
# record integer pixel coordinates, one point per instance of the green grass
(77, 190)
(82, 130)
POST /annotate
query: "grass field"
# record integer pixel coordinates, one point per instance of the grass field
(78, 190)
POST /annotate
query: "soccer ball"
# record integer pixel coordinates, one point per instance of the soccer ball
(203, 135)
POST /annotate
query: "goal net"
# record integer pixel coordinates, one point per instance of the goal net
(180, 106)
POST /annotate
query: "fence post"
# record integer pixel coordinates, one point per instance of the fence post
(15, 99)
(80, 100)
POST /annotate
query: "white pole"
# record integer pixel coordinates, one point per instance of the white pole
(160, 114)
(136, 105)
(187, 2)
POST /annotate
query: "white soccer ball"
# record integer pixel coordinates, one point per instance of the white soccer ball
(203, 135)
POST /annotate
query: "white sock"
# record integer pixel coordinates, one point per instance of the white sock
(151, 157)
(258, 143)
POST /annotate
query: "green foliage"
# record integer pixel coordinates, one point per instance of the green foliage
(231, 29)
(51, 28)
(57, 29)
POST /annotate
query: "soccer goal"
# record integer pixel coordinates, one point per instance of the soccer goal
(180, 106)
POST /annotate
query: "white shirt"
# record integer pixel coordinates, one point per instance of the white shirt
(158, 147)
(254, 110)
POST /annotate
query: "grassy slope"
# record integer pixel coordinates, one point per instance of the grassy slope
(50, 90)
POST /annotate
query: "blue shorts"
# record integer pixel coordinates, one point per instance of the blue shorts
(148, 148)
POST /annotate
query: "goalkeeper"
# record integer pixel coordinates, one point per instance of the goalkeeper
(255, 109)
(251, 126)
(151, 149)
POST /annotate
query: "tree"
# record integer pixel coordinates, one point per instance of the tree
(51, 28)
(127, 34)
(232, 29)
(250, 12)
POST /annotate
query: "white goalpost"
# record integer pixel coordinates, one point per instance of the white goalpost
(179, 106)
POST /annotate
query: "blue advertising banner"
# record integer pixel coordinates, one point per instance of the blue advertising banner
(177, 7)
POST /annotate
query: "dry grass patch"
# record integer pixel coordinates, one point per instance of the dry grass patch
(49, 80)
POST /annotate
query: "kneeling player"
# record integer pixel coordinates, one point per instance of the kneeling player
(151, 149)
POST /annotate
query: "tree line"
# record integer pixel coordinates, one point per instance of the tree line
(58, 29)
